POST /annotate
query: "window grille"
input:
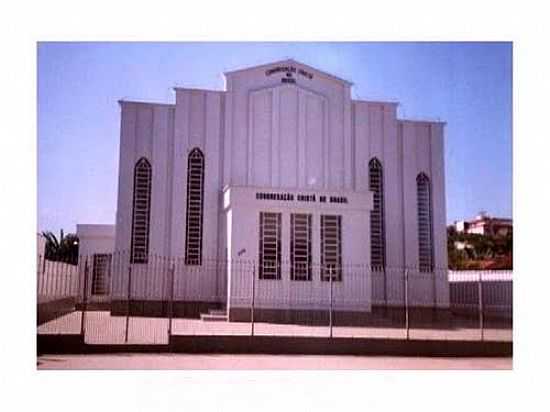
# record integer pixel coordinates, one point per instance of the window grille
(377, 234)
(270, 246)
(101, 274)
(425, 236)
(331, 247)
(141, 212)
(195, 201)
(300, 246)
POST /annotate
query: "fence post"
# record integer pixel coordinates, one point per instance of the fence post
(330, 313)
(84, 300)
(383, 268)
(128, 304)
(480, 299)
(43, 274)
(407, 301)
(253, 294)
(171, 306)
(39, 275)
(55, 278)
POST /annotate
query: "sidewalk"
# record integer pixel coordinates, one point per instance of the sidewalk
(232, 362)
(101, 327)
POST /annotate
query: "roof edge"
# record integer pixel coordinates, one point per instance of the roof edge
(197, 89)
(388, 102)
(123, 101)
(420, 121)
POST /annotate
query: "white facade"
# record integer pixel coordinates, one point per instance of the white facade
(282, 128)
(95, 239)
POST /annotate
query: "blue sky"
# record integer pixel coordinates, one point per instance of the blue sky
(468, 85)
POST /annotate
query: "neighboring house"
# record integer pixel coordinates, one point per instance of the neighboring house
(483, 224)
(462, 245)
(285, 169)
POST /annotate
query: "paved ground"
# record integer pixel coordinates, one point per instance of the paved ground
(180, 361)
(101, 327)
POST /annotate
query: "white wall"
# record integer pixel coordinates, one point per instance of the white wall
(56, 280)
(422, 152)
(497, 287)
(93, 239)
(146, 131)
(287, 135)
(243, 210)
(199, 125)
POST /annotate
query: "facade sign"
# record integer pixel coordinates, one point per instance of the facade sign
(289, 71)
(290, 197)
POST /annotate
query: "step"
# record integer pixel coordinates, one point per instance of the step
(217, 312)
(208, 317)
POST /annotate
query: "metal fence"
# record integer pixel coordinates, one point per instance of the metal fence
(109, 300)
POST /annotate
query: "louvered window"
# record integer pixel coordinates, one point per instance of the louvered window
(425, 234)
(377, 232)
(195, 201)
(331, 247)
(300, 246)
(270, 246)
(101, 274)
(141, 212)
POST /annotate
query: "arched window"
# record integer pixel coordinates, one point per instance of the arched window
(425, 234)
(195, 200)
(141, 212)
(377, 232)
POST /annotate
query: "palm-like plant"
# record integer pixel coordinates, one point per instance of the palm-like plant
(63, 249)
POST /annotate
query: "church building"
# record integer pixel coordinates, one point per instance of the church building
(281, 184)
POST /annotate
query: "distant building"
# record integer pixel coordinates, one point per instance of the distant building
(462, 245)
(483, 224)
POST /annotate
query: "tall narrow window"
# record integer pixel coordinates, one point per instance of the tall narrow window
(425, 236)
(101, 274)
(377, 232)
(300, 247)
(141, 212)
(331, 247)
(195, 200)
(270, 245)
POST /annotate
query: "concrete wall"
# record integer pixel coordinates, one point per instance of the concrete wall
(57, 289)
(56, 280)
(497, 289)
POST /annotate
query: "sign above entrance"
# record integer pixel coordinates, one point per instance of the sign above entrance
(290, 197)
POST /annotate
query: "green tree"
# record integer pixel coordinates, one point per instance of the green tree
(63, 249)
(479, 250)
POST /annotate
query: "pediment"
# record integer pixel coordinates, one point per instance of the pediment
(289, 71)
